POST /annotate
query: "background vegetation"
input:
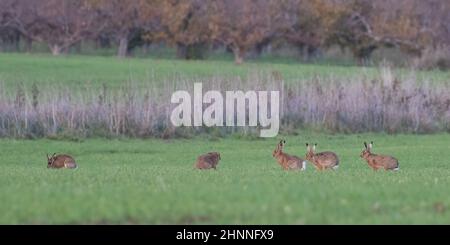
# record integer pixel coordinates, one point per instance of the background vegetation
(303, 30)
(80, 97)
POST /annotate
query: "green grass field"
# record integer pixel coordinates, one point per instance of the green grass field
(153, 182)
(76, 71)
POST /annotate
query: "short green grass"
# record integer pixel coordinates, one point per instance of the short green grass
(153, 182)
(76, 71)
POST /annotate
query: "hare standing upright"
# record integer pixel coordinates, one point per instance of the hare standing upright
(61, 161)
(378, 161)
(287, 161)
(208, 160)
(322, 160)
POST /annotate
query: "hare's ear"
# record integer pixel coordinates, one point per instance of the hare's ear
(308, 148)
(314, 147)
(365, 145)
(370, 145)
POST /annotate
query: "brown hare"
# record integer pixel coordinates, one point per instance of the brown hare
(378, 161)
(322, 160)
(208, 160)
(287, 161)
(61, 161)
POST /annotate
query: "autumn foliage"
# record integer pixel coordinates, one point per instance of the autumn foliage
(241, 26)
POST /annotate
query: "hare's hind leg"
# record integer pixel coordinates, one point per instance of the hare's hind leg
(373, 166)
(295, 165)
(317, 166)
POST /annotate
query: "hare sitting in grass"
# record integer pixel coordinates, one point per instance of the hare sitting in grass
(61, 161)
(378, 161)
(208, 160)
(287, 161)
(322, 160)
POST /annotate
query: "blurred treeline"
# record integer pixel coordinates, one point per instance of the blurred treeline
(244, 28)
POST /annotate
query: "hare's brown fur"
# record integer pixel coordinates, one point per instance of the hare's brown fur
(208, 160)
(378, 161)
(61, 161)
(322, 160)
(286, 161)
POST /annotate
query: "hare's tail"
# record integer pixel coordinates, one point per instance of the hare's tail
(71, 165)
(397, 167)
(303, 165)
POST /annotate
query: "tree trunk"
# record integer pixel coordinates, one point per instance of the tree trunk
(28, 45)
(312, 52)
(196, 51)
(78, 48)
(102, 42)
(259, 49)
(145, 49)
(181, 51)
(123, 47)
(190, 51)
(56, 49)
(262, 47)
(363, 54)
(238, 55)
(301, 51)
(16, 42)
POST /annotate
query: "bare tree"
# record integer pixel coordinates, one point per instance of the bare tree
(303, 24)
(241, 24)
(364, 26)
(434, 20)
(186, 25)
(58, 23)
(128, 19)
